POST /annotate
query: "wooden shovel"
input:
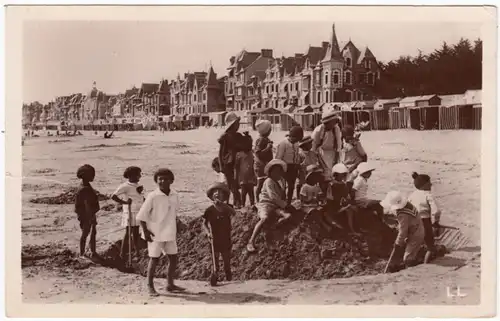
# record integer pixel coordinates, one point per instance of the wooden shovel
(213, 275)
(450, 237)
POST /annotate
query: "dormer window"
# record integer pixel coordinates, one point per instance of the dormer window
(369, 64)
(326, 77)
(348, 62)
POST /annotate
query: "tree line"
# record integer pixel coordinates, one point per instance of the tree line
(451, 69)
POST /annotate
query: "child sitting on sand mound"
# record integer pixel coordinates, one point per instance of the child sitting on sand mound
(272, 200)
(359, 192)
(217, 225)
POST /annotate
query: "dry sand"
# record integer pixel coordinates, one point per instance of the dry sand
(452, 158)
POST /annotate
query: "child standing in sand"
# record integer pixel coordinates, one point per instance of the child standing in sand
(133, 198)
(158, 219)
(245, 175)
(263, 152)
(273, 200)
(229, 146)
(217, 225)
(86, 207)
(426, 206)
(288, 151)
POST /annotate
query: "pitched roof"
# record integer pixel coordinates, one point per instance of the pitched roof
(452, 100)
(366, 53)
(211, 77)
(163, 87)
(245, 58)
(333, 50)
(315, 54)
(131, 92)
(148, 88)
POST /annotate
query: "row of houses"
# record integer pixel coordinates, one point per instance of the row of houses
(330, 72)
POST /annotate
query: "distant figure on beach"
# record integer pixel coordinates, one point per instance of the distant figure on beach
(108, 135)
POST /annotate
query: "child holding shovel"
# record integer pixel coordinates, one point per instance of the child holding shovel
(133, 198)
(217, 225)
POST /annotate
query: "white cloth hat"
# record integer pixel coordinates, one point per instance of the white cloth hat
(273, 162)
(365, 168)
(339, 169)
(393, 201)
(332, 115)
(263, 126)
(231, 118)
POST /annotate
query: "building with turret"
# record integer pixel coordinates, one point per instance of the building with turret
(198, 93)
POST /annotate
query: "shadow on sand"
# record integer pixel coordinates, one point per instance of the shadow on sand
(450, 261)
(471, 249)
(224, 298)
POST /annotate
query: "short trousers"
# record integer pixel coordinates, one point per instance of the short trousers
(125, 220)
(87, 222)
(259, 170)
(266, 210)
(156, 249)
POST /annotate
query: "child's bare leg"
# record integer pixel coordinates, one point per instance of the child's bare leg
(251, 195)
(299, 187)
(172, 267)
(136, 238)
(93, 234)
(153, 262)
(350, 220)
(83, 238)
(244, 193)
(256, 230)
(226, 259)
(260, 183)
(124, 242)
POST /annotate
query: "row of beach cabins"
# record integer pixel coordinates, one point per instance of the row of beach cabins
(429, 112)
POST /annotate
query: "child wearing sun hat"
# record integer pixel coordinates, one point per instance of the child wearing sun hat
(359, 191)
(410, 229)
(263, 152)
(272, 200)
(217, 225)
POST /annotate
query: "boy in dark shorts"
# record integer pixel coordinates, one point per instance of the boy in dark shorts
(86, 207)
(245, 175)
(217, 225)
(263, 152)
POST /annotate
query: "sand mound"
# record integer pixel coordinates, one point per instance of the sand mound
(67, 197)
(301, 251)
(51, 255)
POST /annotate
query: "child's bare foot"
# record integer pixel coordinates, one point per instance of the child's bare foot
(175, 288)
(152, 292)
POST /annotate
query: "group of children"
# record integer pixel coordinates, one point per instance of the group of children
(321, 197)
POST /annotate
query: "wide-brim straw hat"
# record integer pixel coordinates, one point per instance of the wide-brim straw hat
(339, 169)
(312, 170)
(230, 119)
(272, 163)
(305, 140)
(217, 186)
(393, 201)
(365, 168)
(263, 126)
(332, 115)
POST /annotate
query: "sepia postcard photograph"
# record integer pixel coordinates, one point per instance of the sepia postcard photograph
(250, 161)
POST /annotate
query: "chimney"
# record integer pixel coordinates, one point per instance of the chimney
(325, 44)
(268, 53)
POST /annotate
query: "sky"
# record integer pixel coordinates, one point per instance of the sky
(65, 57)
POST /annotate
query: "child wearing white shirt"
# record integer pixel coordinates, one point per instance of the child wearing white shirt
(158, 219)
(133, 198)
(359, 191)
(425, 204)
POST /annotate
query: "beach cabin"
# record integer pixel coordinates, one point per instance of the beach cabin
(473, 97)
(386, 103)
(271, 114)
